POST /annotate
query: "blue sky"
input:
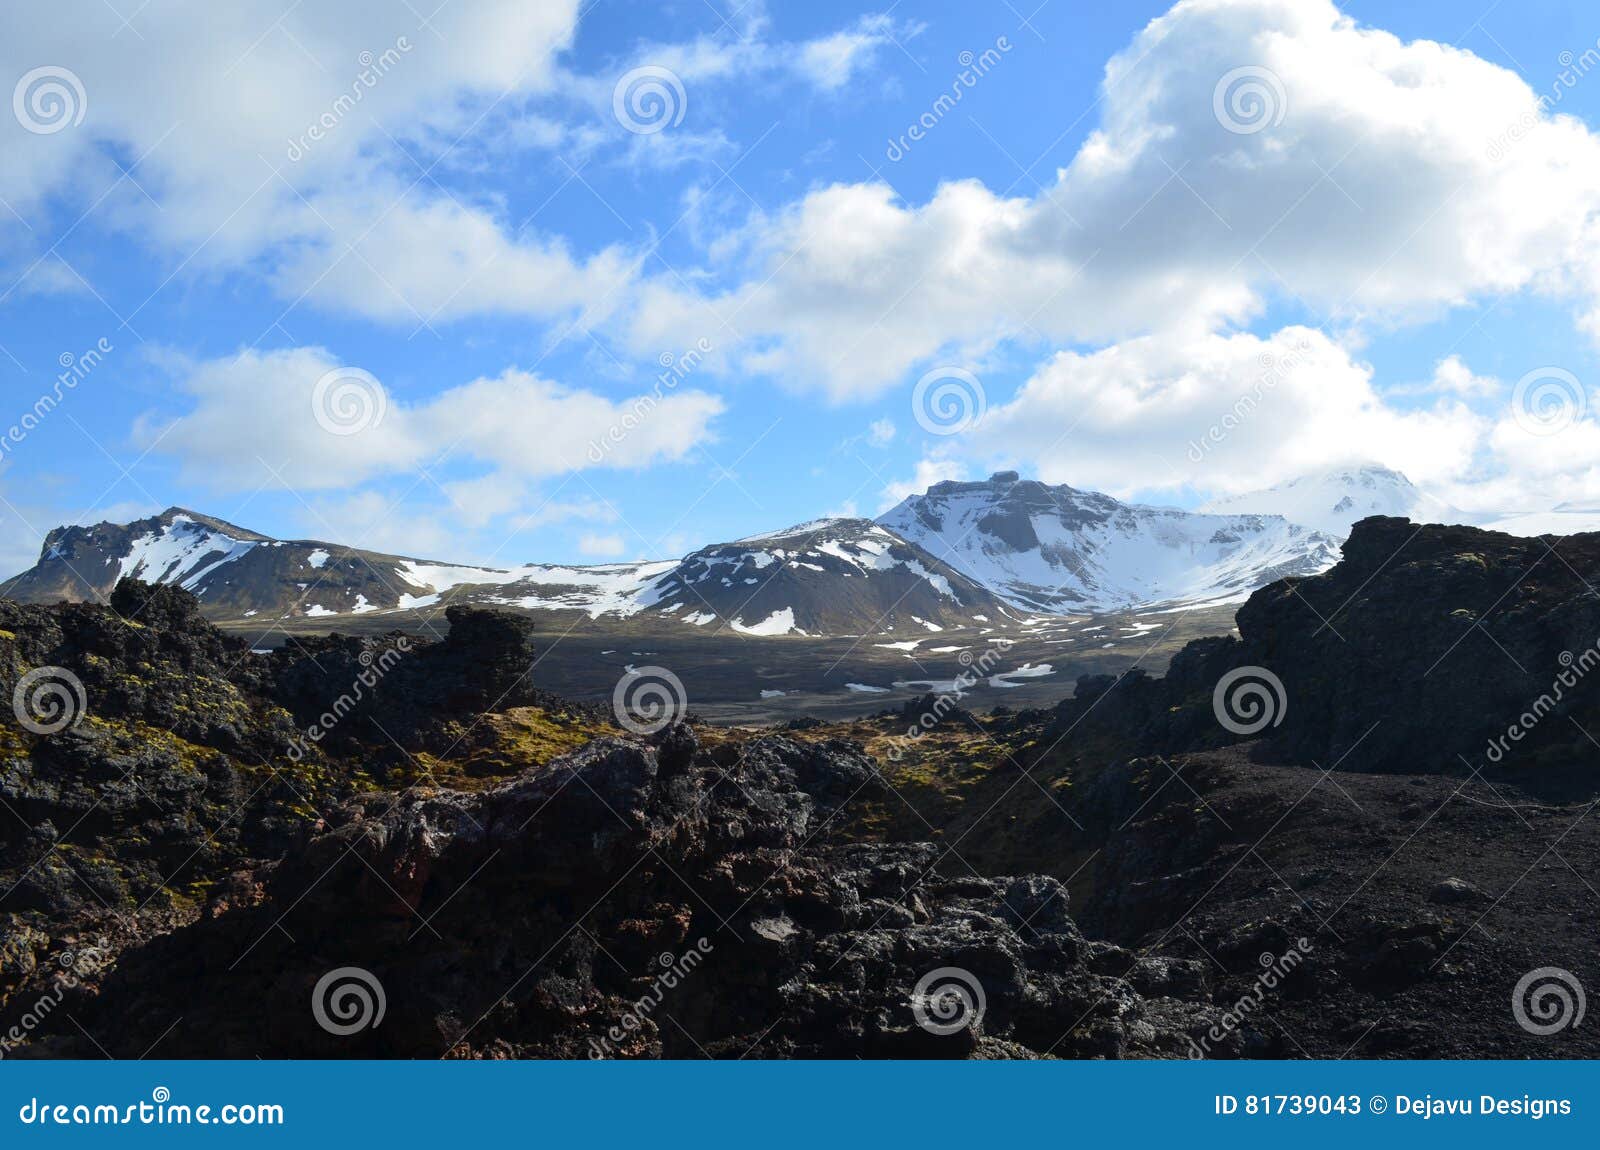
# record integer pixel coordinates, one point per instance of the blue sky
(482, 248)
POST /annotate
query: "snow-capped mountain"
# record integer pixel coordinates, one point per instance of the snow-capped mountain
(1058, 549)
(1331, 501)
(239, 573)
(962, 554)
(833, 576)
(829, 576)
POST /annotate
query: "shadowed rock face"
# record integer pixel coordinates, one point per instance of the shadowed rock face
(1420, 649)
(175, 832)
(536, 907)
(527, 920)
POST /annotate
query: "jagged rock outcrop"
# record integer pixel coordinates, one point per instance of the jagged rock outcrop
(530, 920)
(1425, 646)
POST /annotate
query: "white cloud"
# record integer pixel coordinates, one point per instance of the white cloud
(383, 521)
(1224, 414)
(1379, 196)
(301, 135)
(1453, 377)
(269, 401)
(602, 546)
(881, 433)
(929, 472)
(830, 62)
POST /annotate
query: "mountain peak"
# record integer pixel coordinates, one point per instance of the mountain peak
(1333, 499)
(1055, 548)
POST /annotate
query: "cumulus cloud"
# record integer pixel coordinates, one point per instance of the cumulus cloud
(1224, 414)
(309, 137)
(1374, 190)
(830, 62)
(311, 423)
(929, 471)
(1220, 413)
(602, 546)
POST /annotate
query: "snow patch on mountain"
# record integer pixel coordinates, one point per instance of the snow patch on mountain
(1331, 501)
(1056, 549)
(183, 551)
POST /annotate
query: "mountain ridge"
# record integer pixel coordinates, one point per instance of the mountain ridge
(1014, 547)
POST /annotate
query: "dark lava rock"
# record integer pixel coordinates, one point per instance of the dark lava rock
(1455, 890)
(1425, 646)
(542, 918)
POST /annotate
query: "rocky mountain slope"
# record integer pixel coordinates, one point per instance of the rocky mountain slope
(962, 554)
(1057, 549)
(831, 576)
(1426, 649)
(511, 875)
(1332, 501)
(837, 576)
